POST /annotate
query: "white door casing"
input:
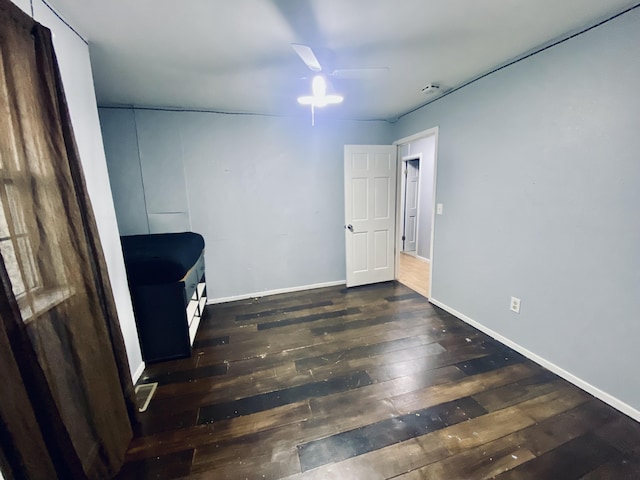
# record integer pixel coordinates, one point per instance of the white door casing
(399, 143)
(370, 211)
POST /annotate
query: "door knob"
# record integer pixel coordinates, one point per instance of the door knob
(350, 228)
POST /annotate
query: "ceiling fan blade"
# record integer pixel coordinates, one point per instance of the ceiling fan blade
(308, 57)
(349, 73)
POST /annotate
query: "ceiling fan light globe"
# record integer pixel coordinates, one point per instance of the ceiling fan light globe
(319, 86)
(320, 98)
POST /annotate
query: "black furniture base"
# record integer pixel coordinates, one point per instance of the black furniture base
(168, 291)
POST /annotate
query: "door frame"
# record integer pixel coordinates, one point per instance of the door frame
(411, 138)
(403, 196)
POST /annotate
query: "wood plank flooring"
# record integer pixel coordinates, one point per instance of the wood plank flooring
(367, 383)
(414, 273)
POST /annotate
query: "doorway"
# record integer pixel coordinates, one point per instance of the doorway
(415, 210)
(410, 194)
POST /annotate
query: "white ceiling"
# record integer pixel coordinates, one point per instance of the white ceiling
(235, 55)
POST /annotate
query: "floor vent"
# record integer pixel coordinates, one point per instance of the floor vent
(144, 392)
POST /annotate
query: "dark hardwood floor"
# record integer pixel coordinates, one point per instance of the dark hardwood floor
(367, 383)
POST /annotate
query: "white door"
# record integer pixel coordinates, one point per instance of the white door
(410, 234)
(369, 193)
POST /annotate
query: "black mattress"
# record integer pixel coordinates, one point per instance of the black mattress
(161, 257)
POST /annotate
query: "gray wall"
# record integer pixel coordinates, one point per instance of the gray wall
(160, 148)
(426, 146)
(539, 174)
(144, 149)
(125, 172)
(265, 192)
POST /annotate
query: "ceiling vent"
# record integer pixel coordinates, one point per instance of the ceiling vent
(431, 88)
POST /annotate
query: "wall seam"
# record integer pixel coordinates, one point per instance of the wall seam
(144, 192)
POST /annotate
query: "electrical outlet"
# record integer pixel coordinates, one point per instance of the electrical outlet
(439, 209)
(515, 305)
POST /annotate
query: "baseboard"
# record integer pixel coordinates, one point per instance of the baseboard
(212, 301)
(424, 259)
(578, 382)
(138, 373)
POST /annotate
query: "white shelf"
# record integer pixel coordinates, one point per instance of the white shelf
(195, 308)
(192, 310)
(193, 329)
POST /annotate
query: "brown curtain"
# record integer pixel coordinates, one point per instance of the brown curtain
(66, 401)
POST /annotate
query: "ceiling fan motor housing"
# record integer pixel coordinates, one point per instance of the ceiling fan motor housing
(431, 88)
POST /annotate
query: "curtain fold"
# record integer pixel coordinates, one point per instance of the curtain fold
(68, 401)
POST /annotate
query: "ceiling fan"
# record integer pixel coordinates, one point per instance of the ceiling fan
(310, 58)
(320, 86)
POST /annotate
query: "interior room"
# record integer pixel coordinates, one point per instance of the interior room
(487, 329)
